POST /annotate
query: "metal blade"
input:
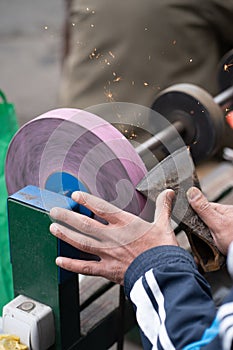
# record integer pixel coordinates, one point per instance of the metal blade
(177, 171)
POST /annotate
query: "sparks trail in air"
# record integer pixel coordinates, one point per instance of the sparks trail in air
(102, 57)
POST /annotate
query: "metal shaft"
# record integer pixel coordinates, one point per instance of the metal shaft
(162, 137)
(224, 96)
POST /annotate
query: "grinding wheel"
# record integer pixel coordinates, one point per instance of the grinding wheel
(81, 148)
(201, 117)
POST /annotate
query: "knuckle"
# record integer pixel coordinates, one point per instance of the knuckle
(88, 245)
(87, 270)
(85, 245)
(101, 209)
(85, 224)
(203, 205)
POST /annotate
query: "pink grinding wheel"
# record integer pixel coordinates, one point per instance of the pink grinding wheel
(83, 145)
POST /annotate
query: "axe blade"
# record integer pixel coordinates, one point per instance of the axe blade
(176, 168)
(177, 171)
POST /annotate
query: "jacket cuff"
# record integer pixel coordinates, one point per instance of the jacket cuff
(160, 258)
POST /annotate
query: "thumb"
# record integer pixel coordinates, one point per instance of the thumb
(164, 205)
(202, 206)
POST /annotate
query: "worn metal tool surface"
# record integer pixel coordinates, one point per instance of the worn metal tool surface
(177, 171)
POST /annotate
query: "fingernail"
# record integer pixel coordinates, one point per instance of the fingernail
(54, 228)
(76, 195)
(170, 194)
(193, 193)
(59, 261)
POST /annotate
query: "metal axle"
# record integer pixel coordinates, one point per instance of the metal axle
(162, 137)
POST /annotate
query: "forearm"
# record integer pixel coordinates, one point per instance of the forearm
(173, 301)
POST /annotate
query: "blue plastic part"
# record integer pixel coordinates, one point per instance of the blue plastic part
(66, 184)
(43, 199)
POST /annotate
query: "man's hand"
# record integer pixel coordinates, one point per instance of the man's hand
(117, 243)
(218, 217)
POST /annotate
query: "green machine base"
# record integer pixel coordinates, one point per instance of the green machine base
(33, 253)
(84, 320)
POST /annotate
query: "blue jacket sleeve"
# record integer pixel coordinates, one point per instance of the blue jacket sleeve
(172, 300)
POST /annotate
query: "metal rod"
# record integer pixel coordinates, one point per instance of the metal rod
(224, 96)
(160, 138)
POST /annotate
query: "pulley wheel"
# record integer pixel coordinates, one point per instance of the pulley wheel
(80, 148)
(201, 117)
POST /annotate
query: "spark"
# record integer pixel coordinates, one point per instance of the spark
(133, 82)
(107, 62)
(73, 24)
(109, 95)
(92, 25)
(111, 54)
(94, 54)
(88, 9)
(45, 27)
(174, 42)
(133, 136)
(145, 83)
(190, 60)
(117, 79)
(145, 28)
(93, 12)
(226, 66)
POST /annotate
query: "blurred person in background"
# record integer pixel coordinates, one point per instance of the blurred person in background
(128, 51)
